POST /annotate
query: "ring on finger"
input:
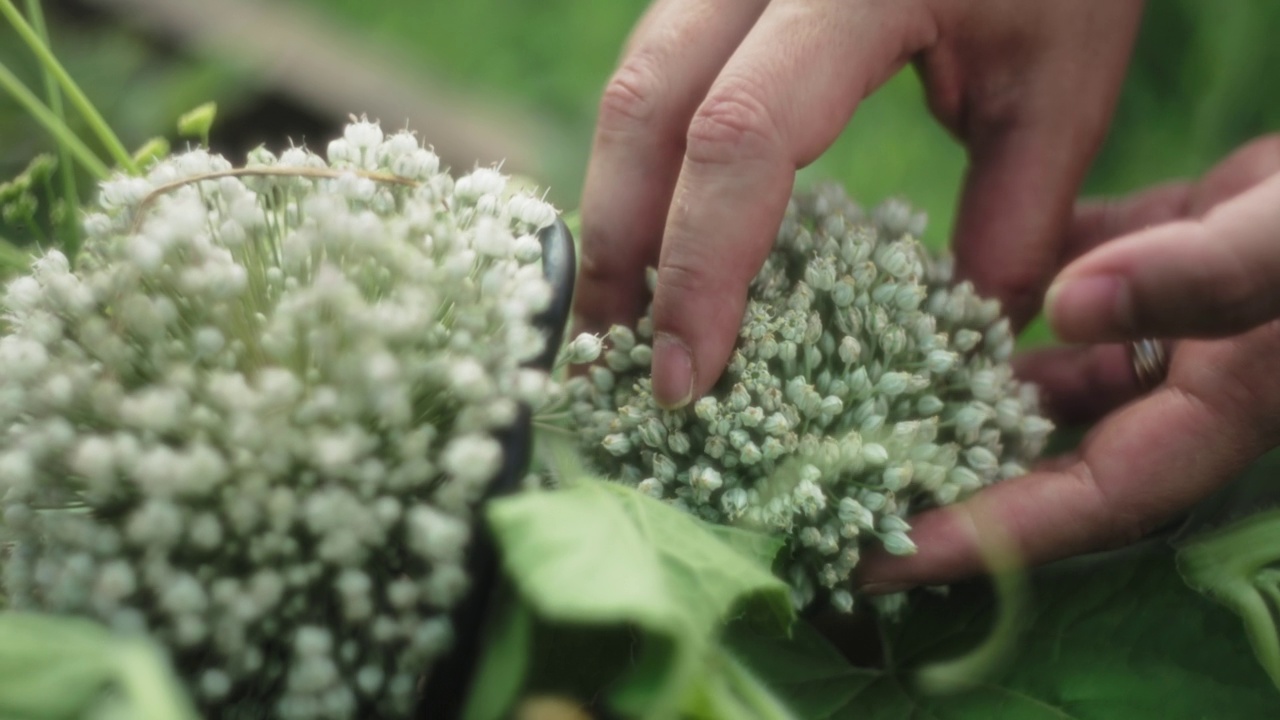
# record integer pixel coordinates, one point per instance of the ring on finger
(1150, 360)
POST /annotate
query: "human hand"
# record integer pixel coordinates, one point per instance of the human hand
(718, 102)
(1195, 262)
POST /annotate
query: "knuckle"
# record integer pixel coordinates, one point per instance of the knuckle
(632, 98)
(1238, 296)
(1114, 521)
(678, 280)
(733, 124)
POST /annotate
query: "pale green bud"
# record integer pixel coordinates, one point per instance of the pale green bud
(772, 448)
(850, 350)
(966, 339)
(678, 443)
(896, 479)
(644, 328)
(946, 494)
(908, 297)
(896, 259)
(893, 340)
(874, 454)
(821, 273)
(864, 275)
(1011, 470)
(892, 383)
(842, 601)
(893, 523)
(844, 292)
(809, 497)
(622, 337)
(1008, 413)
(985, 385)
(641, 356)
(618, 361)
(705, 479)
(664, 468)
(897, 543)
(584, 349)
(929, 405)
(734, 503)
(873, 501)
(651, 487)
(964, 479)
(707, 409)
(602, 378)
(851, 511)
(883, 293)
(831, 405)
(940, 362)
(617, 444)
(981, 459)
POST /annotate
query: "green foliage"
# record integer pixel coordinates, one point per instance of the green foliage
(1236, 566)
(54, 668)
(197, 122)
(1114, 636)
(597, 556)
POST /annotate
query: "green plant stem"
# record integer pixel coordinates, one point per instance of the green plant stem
(1232, 565)
(77, 96)
(757, 696)
(70, 195)
(56, 127)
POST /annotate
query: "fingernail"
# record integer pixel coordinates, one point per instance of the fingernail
(672, 372)
(884, 588)
(1096, 307)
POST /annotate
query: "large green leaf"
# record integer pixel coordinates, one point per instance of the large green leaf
(1116, 636)
(602, 554)
(57, 668)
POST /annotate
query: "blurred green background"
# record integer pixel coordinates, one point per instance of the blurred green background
(1200, 85)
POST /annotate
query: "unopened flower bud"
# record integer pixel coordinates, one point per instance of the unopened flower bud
(585, 348)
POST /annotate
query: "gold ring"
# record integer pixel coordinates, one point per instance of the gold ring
(1150, 360)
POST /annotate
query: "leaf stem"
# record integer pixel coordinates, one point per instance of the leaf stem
(74, 93)
(56, 127)
(66, 172)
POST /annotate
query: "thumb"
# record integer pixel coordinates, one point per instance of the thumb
(1209, 277)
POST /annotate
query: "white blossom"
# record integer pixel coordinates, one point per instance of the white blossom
(273, 396)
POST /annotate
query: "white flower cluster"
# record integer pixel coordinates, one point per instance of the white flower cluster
(865, 386)
(255, 420)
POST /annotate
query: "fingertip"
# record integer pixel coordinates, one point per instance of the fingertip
(1090, 308)
(674, 372)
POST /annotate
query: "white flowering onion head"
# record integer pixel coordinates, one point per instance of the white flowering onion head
(865, 386)
(256, 419)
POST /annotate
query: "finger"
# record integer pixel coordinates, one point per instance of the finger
(1096, 221)
(1079, 384)
(670, 61)
(1210, 277)
(1032, 116)
(1139, 467)
(782, 98)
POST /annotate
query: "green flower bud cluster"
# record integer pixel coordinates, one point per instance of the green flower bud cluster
(865, 386)
(255, 421)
